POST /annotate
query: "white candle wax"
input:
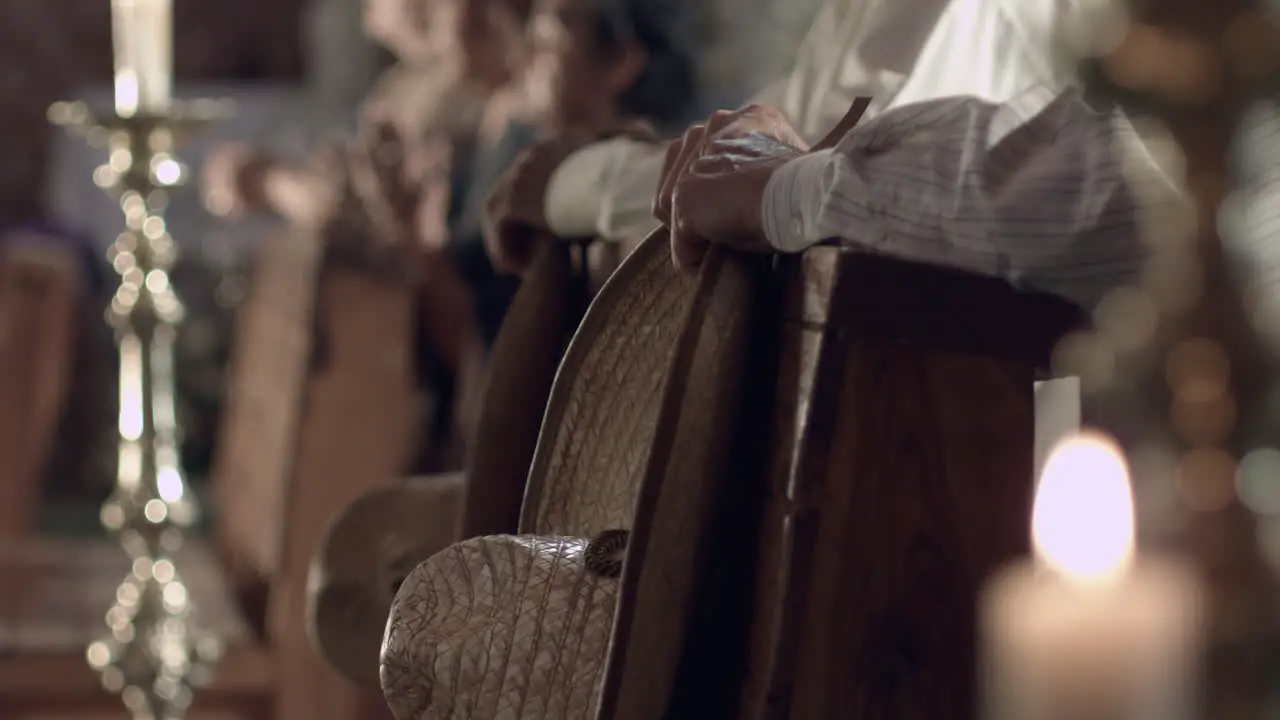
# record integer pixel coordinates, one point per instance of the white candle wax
(142, 39)
(1087, 631)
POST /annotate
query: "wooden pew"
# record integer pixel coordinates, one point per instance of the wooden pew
(357, 414)
(652, 337)
(311, 424)
(835, 573)
(761, 583)
(364, 557)
(743, 568)
(351, 588)
(39, 294)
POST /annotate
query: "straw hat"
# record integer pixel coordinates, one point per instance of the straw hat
(363, 560)
(525, 638)
(519, 626)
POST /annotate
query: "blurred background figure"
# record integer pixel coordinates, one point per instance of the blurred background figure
(600, 67)
(375, 124)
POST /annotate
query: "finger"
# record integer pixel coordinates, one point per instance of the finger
(690, 147)
(662, 199)
(510, 247)
(498, 204)
(721, 119)
(687, 246)
(687, 249)
(371, 193)
(494, 247)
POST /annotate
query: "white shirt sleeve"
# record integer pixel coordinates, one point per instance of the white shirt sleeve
(606, 190)
(1039, 191)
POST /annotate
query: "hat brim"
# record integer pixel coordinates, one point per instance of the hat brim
(499, 627)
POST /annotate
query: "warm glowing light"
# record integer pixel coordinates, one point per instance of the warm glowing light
(131, 410)
(168, 172)
(126, 92)
(129, 464)
(1082, 525)
(169, 484)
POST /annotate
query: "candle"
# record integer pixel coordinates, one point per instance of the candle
(142, 39)
(1089, 630)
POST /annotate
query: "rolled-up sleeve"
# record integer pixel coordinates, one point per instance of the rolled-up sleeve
(1038, 191)
(606, 190)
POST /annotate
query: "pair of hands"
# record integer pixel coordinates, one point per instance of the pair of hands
(712, 187)
(400, 189)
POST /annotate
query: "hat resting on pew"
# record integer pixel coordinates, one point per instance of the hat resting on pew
(506, 627)
(519, 626)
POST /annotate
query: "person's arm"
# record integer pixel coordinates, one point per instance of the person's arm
(606, 189)
(1040, 191)
(299, 195)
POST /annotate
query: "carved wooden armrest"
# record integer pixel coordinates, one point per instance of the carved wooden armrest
(364, 557)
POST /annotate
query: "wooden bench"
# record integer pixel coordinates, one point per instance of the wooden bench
(39, 296)
(377, 540)
(883, 470)
(649, 336)
(760, 582)
(831, 459)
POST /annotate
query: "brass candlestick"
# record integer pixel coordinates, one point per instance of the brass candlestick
(156, 650)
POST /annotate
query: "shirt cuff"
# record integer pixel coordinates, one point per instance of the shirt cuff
(793, 202)
(575, 191)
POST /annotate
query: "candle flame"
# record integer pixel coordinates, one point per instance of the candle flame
(126, 93)
(1082, 524)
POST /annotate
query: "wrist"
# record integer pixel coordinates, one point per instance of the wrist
(792, 202)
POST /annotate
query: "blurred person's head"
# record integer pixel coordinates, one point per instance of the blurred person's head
(598, 63)
(484, 39)
(493, 35)
(400, 26)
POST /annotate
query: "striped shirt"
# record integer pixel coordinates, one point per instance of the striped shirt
(1038, 191)
(976, 153)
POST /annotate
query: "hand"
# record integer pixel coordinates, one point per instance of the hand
(714, 178)
(404, 188)
(515, 213)
(231, 179)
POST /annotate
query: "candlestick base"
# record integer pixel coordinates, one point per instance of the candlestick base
(155, 651)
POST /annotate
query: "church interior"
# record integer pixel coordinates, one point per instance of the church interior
(640, 359)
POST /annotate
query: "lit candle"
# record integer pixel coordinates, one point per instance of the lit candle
(1088, 630)
(142, 39)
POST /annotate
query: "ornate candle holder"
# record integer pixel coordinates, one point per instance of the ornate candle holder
(1177, 365)
(155, 651)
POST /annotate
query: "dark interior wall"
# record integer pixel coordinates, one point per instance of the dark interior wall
(48, 48)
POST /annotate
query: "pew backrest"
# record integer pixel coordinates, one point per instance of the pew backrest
(271, 356)
(39, 291)
(545, 312)
(899, 475)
